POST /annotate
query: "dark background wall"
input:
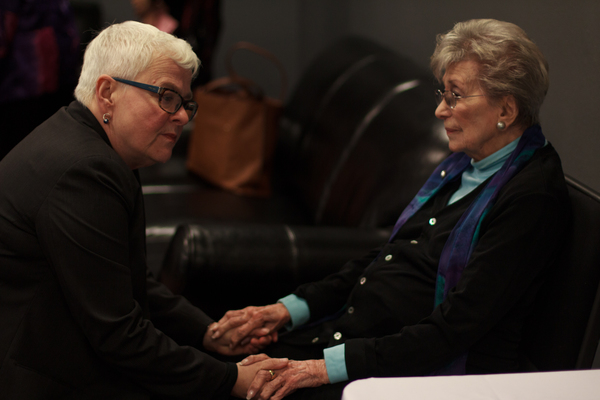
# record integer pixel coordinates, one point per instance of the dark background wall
(568, 32)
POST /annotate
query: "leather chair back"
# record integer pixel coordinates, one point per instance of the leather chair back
(359, 135)
(564, 331)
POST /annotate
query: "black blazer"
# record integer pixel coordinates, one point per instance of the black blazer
(81, 316)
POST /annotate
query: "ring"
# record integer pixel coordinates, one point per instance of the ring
(273, 374)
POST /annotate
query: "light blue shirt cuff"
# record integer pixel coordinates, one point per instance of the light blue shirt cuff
(335, 362)
(298, 309)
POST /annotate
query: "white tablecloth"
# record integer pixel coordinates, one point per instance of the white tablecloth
(567, 385)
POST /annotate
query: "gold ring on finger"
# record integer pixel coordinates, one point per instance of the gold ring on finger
(273, 374)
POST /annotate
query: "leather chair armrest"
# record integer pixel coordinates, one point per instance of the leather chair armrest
(246, 264)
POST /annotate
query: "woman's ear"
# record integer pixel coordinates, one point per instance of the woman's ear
(105, 87)
(508, 110)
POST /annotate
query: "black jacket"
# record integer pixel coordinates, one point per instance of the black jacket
(80, 314)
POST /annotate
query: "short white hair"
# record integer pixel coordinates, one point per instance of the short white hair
(127, 49)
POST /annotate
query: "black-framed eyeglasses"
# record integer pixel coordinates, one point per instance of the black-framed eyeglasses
(450, 97)
(169, 100)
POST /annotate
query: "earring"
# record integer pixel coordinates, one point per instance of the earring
(500, 125)
(105, 118)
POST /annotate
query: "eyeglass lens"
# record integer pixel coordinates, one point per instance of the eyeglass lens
(171, 102)
(447, 96)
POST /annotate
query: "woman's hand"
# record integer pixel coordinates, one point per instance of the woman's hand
(297, 375)
(255, 325)
(222, 345)
(247, 373)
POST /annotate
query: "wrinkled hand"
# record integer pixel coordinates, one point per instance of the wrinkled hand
(297, 375)
(255, 325)
(247, 372)
(222, 345)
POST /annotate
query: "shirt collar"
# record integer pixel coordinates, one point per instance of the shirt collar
(495, 160)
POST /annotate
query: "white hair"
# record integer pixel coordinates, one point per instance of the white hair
(127, 49)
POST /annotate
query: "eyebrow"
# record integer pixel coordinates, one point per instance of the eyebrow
(463, 85)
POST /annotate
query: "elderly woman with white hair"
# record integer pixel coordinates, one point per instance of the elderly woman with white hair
(450, 291)
(81, 316)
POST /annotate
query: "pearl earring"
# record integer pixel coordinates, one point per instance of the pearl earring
(500, 125)
(105, 118)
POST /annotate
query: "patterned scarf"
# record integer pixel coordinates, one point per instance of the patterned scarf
(465, 234)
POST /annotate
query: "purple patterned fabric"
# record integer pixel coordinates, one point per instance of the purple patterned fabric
(39, 45)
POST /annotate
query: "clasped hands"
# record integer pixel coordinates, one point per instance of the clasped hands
(250, 330)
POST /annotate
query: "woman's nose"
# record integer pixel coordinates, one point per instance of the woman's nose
(181, 116)
(443, 110)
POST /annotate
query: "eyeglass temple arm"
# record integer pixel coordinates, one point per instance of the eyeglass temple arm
(151, 88)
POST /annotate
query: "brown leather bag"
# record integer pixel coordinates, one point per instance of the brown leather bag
(235, 131)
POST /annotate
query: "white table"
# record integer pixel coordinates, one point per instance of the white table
(567, 385)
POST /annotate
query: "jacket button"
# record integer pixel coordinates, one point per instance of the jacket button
(388, 257)
(443, 174)
(337, 336)
(432, 221)
(315, 340)
(363, 280)
(413, 242)
(350, 310)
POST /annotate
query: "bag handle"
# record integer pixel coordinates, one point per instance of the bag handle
(262, 52)
(231, 84)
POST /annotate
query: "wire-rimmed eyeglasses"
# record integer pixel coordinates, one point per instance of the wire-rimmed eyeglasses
(168, 99)
(450, 97)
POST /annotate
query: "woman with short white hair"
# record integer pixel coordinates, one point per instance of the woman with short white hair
(81, 316)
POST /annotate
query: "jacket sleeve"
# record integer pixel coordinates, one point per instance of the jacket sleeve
(175, 316)
(329, 295)
(519, 239)
(83, 227)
